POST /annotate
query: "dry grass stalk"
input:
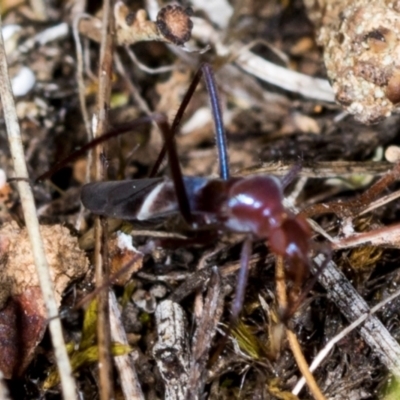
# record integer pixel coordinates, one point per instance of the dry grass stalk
(32, 224)
(102, 268)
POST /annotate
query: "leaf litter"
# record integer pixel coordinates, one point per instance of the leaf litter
(268, 126)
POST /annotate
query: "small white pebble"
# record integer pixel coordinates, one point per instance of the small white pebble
(392, 154)
(23, 82)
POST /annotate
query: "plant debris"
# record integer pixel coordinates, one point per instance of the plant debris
(22, 307)
(170, 295)
(361, 49)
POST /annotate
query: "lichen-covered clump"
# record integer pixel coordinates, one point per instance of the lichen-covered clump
(361, 41)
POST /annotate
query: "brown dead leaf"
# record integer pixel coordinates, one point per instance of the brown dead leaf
(23, 318)
(125, 259)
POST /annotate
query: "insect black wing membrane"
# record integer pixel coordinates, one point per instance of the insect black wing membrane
(140, 199)
(118, 199)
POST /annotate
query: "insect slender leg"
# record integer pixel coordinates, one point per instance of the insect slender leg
(238, 299)
(327, 252)
(176, 172)
(218, 122)
(177, 120)
(206, 70)
(241, 279)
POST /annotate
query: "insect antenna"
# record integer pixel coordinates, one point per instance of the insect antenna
(242, 278)
(218, 122)
(220, 135)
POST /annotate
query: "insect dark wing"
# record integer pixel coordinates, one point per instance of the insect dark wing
(118, 199)
(140, 199)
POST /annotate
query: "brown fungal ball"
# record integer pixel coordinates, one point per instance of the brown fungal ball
(174, 24)
(361, 41)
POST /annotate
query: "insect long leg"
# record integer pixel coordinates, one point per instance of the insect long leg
(238, 299)
(218, 122)
(327, 252)
(241, 279)
(177, 120)
(176, 172)
(206, 70)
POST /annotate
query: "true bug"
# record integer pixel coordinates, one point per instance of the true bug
(252, 205)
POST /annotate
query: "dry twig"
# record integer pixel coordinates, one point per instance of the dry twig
(32, 224)
(102, 268)
(125, 364)
(280, 277)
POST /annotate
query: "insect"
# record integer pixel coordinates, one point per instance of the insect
(252, 205)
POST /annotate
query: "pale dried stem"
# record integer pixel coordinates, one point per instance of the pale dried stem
(32, 225)
(307, 86)
(302, 364)
(252, 64)
(353, 306)
(281, 295)
(323, 169)
(79, 74)
(125, 365)
(381, 202)
(82, 102)
(145, 68)
(388, 236)
(101, 264)
(143, 106)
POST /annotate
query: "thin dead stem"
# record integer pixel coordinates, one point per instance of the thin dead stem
(125, 365)
(354, 206)
(303, 367)
(323, 169)
(101, 264)
(32, 225)
(293, 342)
(82, 102)
(341, 335)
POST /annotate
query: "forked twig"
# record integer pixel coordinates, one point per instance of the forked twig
(341, 335)
(353, 306)
(347, 299)
(32, 225)
(354, 206)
